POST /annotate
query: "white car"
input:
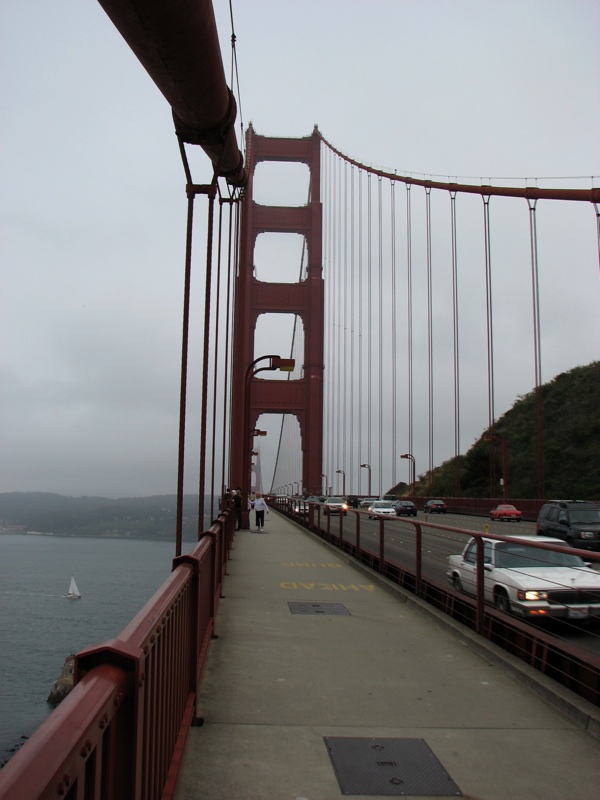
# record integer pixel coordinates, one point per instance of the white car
(378, 507)
(335, 505)
(528, 581)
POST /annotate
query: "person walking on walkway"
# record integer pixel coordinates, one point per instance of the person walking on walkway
(260, 507)
(237, 502)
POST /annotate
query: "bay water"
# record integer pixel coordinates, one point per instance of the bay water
(39, 627)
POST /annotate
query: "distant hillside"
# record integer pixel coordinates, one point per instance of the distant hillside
(571, 420)
(137, 517)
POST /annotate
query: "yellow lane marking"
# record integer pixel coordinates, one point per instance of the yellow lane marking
(310, 564)
(328, 587)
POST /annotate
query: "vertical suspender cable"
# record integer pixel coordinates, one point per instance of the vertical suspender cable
(330, 360)
(335, 366)
(346, 287)
(330, 279)
(409, 318)
(369, 336)
(325, 177)
(184, 369)
(380, 315)
(336, 416)
(360, 319)
(216, 361)
(537, 352)
(325, 199)
(339, 394)
(456, 342)
(232, 258)
(351, 482)
(429, 331)
(394, 349)
(490, 336)
(203, 411)
(597, 209)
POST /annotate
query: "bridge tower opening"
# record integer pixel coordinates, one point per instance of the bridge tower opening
(301, 397)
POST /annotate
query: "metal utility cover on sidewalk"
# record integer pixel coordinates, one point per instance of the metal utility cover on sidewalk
(392, 767)
(338, 609)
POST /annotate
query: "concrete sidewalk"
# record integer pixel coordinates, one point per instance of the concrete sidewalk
(382, 700)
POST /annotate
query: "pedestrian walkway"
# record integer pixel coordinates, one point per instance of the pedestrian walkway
(325, 681)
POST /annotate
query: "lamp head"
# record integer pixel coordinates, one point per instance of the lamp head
(283, 364)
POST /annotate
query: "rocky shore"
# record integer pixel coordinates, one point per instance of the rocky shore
(63, 684)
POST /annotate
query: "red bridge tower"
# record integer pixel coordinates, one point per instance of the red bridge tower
(302, 397)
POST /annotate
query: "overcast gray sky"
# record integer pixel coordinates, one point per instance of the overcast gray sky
(92, 192)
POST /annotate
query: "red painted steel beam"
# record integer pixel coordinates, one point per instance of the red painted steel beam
(177, 43)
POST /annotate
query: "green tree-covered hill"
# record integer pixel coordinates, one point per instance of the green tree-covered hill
(570, 410)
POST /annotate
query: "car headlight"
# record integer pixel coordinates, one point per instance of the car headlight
(532, 595)
(587, 535)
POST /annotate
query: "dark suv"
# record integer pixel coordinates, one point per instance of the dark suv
(575, 521)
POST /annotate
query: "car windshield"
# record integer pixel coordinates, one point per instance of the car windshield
(382, 504)
(335, 500)
(515, 556)
(585, 515)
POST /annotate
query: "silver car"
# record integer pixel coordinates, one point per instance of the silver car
(379, 507)
(528, 581)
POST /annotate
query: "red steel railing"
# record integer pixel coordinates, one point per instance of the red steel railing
(567, 663)
(120, 732)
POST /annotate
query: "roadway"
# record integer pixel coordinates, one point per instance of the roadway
(437, 545)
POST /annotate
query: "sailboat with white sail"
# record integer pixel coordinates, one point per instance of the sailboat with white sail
(73, 593)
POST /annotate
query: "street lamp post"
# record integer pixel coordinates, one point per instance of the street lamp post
(343, 474)
(275, 363)
(323, 475)
(254, 432)
(495, 437)
(411, 458)
(368, 466)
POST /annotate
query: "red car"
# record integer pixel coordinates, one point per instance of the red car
(506, 513)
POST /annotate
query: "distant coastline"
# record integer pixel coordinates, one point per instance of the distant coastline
(75, 535)
(47, 514)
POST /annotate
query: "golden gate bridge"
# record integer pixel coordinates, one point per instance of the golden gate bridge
(370, 329)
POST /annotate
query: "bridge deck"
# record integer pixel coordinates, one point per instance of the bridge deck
(405, 705)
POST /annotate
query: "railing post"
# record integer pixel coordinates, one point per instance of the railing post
(418, 559)
(193, 633)
(381, 546)
(479, 578)
(126, 758)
